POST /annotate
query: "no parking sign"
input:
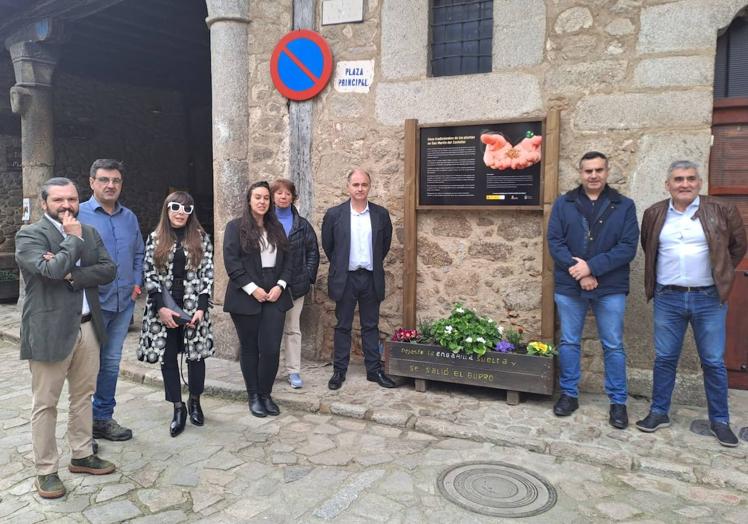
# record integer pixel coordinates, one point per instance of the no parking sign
(301, 64)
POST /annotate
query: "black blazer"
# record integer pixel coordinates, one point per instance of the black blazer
(336, 242)
(245, 268)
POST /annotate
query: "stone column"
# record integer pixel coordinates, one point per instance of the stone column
(228, 21)
(34, 57)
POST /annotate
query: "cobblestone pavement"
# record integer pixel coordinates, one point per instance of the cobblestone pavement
(305, 467)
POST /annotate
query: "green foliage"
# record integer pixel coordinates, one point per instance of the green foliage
(426, 332)
(466, 332)
(514, 336)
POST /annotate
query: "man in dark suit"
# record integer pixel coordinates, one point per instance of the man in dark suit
(356, 236)
(63, 262)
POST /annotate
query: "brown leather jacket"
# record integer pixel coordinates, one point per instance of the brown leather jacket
(724, 231)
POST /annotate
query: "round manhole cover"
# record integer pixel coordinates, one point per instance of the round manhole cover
(497, 489)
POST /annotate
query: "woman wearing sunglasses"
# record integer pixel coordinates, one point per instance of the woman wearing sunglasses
(178, 269)
(255, 251)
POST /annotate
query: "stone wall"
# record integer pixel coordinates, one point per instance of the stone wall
(10, 173)
(629, 80)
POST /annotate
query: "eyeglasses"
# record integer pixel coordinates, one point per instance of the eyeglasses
(176, 206)
(106, 180)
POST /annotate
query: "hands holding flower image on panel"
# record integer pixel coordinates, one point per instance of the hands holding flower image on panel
(501, 154)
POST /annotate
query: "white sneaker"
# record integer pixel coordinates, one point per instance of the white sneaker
(295, 380)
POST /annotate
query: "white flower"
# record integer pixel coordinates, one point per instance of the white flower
(469, 340)
(501, 330)
(459, 310)
(490, 321)
(448, 329)
(481, 340)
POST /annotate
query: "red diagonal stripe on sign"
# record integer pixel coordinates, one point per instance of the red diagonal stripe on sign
(301, 65)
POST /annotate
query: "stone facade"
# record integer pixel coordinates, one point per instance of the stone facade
(10, 172)
(628, 81)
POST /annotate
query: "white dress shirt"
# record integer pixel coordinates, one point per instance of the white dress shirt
(683, 252)
(86, 308)
(361, 254)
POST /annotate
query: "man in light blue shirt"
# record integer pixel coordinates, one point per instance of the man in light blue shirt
(120, 231)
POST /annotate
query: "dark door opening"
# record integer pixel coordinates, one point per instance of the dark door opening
(133, 83)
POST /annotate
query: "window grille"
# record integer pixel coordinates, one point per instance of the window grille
(461, 33)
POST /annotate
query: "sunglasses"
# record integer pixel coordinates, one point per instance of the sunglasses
(176, 207)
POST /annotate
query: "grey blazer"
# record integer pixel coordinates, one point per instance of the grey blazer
(51, 316)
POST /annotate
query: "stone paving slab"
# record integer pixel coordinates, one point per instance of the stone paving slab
(464, 412)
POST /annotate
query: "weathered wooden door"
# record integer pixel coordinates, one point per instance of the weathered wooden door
(728, 179)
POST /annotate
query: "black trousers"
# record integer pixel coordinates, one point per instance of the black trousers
(170, 367)
(359, 288)
(260, 339)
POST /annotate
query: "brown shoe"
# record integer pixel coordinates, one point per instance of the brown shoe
(49, 486)
(91, 464)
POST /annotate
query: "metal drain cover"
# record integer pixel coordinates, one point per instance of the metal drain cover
(497, 489)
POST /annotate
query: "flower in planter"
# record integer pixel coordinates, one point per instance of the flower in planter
(540, 349)
(405, 335)
(504, 346)
(464, 331)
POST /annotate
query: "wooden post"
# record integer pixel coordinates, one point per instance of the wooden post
(410, 250)
(552, 141)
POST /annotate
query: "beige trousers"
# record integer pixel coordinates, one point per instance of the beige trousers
(47, 378)
(292, 337)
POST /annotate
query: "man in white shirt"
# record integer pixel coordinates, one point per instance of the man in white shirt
(692, 244)
(356, 237)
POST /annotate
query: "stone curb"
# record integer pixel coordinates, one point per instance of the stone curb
(595, 455)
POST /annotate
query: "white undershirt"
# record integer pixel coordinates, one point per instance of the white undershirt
(268, 255)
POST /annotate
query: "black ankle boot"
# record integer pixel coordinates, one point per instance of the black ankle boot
(196, 412)
(271, 408)
(179, 420)
(256, 407)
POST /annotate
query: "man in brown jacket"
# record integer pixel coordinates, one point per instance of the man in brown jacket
(692, 245)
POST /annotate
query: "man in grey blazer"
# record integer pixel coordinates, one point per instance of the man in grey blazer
(356, 237)
(63, 262)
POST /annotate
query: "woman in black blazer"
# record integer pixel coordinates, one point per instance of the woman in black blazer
(255, 252)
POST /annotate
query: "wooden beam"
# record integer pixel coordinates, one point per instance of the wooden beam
(410, 220)
(551, 149)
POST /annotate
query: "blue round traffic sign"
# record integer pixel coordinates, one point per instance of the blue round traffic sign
(301, 64)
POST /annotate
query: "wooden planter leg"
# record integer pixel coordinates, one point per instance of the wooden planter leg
(421, 385)
(512, 398)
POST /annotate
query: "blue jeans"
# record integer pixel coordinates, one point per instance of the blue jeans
(673, 310)
(115, 326)
(609, 311)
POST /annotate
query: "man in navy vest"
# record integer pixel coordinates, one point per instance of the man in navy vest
(592, 237)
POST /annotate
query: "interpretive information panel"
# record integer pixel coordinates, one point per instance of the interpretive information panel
(481, 165)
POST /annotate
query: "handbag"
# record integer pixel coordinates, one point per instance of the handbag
(181, 317)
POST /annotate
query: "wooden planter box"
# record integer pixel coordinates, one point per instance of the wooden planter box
(8, 290)
(510, 371)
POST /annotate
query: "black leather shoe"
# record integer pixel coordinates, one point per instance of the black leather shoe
(179, 420)
(338, 377)
(619, 418)
(565, 406)
(271, 408)
(196, 412)
(724, 434)
(380, 378)
(256, 407)
(653, 422)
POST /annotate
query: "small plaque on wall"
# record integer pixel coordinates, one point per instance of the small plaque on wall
(488, 165)
(342, 11)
